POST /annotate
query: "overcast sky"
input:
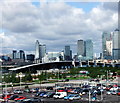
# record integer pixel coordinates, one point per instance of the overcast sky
(55, 24)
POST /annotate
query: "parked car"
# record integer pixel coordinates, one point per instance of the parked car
(34, 90)
(74, 97)
(19, 98)
(60, 95)
(12, 97)
(38, 93)
(42, 94)
(16, 91)
(49, 94)
(5, 97)
(67, 97)
(49, 88)
(61, 90)
(27, 91)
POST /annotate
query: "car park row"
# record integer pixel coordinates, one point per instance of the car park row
(84, 92)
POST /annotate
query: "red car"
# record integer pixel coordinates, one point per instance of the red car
(60, 90)
(20, 98)
(118, 93)
(6, 96)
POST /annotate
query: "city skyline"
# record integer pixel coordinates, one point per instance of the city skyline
(55, 24)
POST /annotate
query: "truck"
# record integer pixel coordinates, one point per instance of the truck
(60, 95)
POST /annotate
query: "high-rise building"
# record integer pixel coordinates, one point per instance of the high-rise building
(107, 45)
(37, 53)
(30, 57)
(42, 51)
(116, 49)
(67, 53)
(21, 54)
(14, 54)
(80, 48)
(119, 30)
(89, 49)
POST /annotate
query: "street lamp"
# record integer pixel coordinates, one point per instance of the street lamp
(20, 75)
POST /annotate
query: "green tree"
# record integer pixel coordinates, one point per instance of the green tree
(27, 77)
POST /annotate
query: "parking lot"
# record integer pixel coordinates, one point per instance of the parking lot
(84, 93)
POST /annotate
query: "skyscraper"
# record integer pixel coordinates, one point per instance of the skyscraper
(37, 53)
(80, 48)
(107, 45)
(119, 30)
(14, 54)
(21, 55)
(116, 49)
(42, 51)
(89, 49)
(67, 53)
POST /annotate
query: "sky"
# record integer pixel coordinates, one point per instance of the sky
(55, 24)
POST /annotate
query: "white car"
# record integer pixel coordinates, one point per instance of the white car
(60, 95)
(16, 91)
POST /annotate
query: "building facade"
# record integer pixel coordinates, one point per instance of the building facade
(116, 49)
(80, 48)
(107, 45)
(89, 49)
(67, 53)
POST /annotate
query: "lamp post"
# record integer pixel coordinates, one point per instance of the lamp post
(20, 75)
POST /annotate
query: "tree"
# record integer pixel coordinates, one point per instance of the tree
(27, 77)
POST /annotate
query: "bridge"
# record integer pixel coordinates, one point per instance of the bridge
(60, 65)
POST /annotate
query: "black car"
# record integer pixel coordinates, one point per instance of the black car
(49, 88)
(50, 95)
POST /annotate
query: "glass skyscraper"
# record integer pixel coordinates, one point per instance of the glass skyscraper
(37, 53)
(89, 49)
(67, 53)
(107, 45)
(80, 48)
(40, 51)
(116, 49)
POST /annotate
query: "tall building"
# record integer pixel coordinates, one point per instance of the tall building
(42, 51)
(30, 57)
(21, 54)
(107, 45)
(119, 29)
(37, 53)
(14, 54)
(80, 48)
(116, 48)
(89, 49)
(67, 53)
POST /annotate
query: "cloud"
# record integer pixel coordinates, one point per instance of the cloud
(55, 24)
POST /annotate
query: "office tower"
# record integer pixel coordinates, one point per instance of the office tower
(116, 49)
(107, 45)
(42, 51)
(80, 48)
(119, 30)
(21, 55)
(30, 57)
(67, 53)
(89, 49)
(37, 49)
(14, 54)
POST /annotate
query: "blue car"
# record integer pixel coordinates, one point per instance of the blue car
(67, 97)
(74, 97)
(42, 94)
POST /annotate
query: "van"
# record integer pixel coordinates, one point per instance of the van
(60, 95)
